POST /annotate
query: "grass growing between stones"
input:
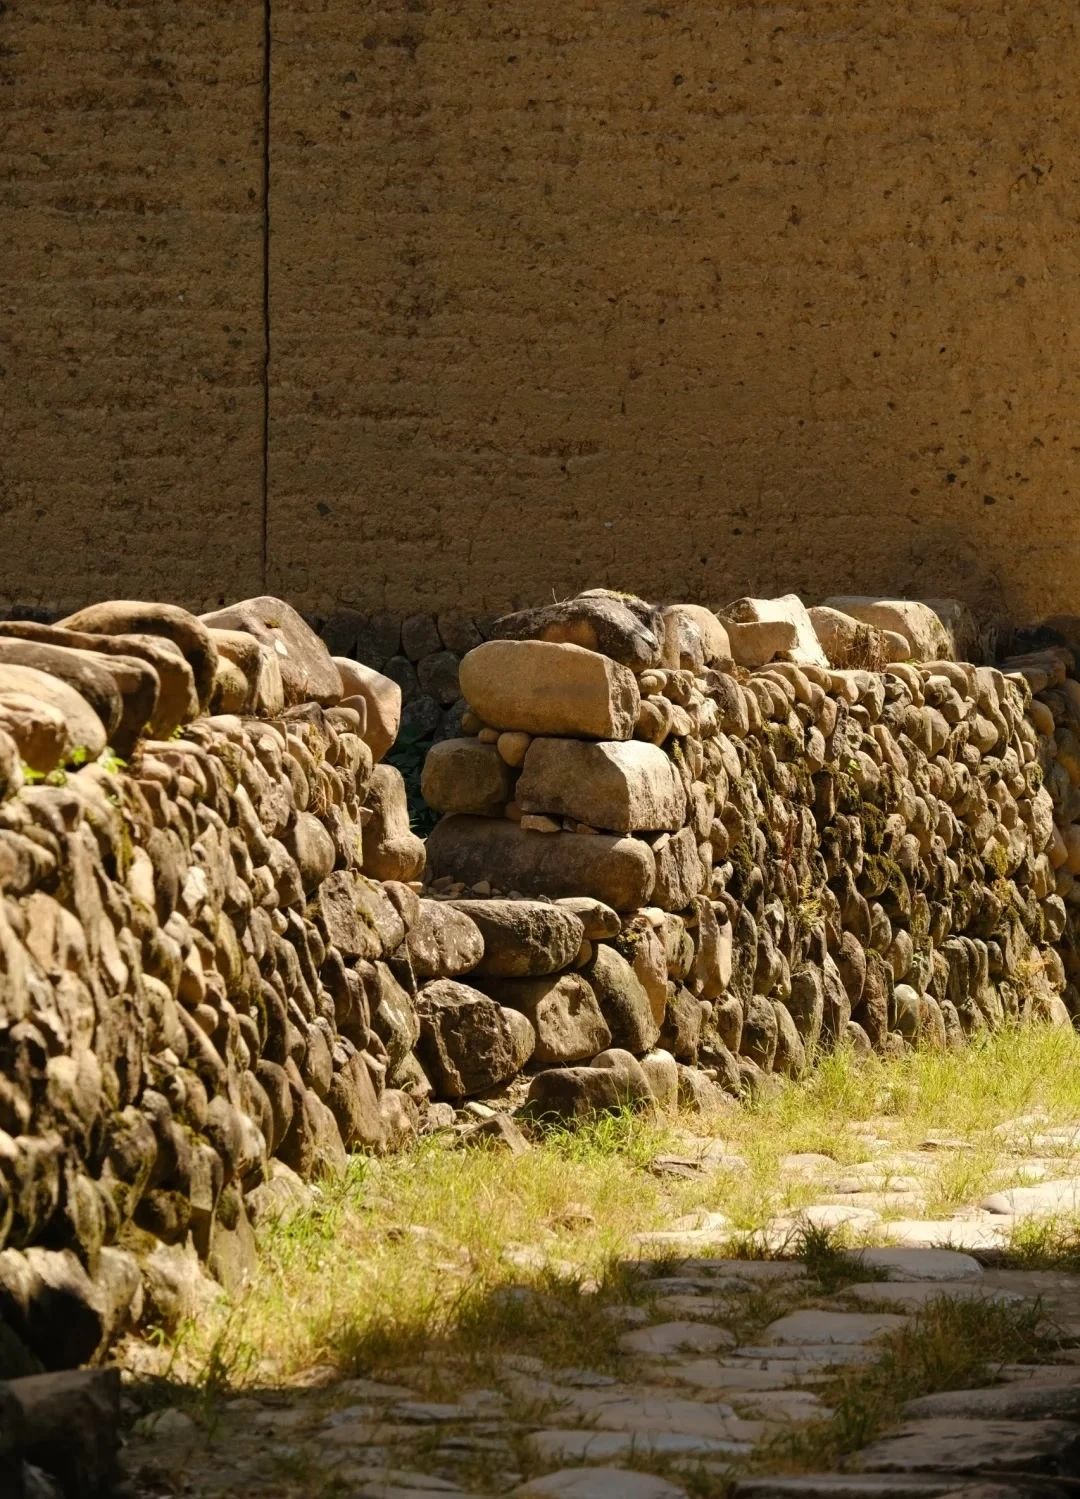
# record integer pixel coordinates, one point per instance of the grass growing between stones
(445, 1255)
(948, 1345)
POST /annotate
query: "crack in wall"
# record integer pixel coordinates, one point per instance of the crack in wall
(264, 539)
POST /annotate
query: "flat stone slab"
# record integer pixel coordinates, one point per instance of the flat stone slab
(1047, 1199)
(605, 1446)
(948, 1233)
(664, 1339)
(380, 1490)
(947, 1445)
(828, 1215)
(782, 1405)
(598, 1483)
(406, 1481)
(1021, 1400)
(708, 1269)
(910, 1296)
(630, 1411)
(725, 1378)
(822, 1327)
(845, 1486)
(922, 1264)
(806, 1358)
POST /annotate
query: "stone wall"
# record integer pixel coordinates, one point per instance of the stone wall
(799, 849)
(678, 852)
(794, 288)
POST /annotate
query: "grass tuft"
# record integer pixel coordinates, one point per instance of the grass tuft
(948, 1345)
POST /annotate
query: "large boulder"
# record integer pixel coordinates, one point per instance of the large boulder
(523, 938)
(545, 688)
(468, 1043)
(622, 787)
(562, 1010)
(849, 642)
(680, 873)
(463, 775)
(623, 1001)
(358, 916)
(257, 665)
(614, 1082)
(49, 721)
(381, 699)
(443, 942)
(927, 638)
(392, 851)
(177, 702)
(308, 675)
(760, 629)
(130, 616)
(715, 643)
(624, 629)
(85, 675)
(618, 871)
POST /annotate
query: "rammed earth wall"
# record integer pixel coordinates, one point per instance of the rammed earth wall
(793, 289)
(678, 853)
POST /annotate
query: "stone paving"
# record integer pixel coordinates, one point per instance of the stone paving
(698, 1403)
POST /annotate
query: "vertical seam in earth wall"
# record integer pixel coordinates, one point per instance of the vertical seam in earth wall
(264, 560)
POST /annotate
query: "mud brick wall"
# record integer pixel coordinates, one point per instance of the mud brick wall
(131, 253)
(794, 288)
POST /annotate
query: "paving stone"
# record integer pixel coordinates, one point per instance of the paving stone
(922, 1263)
(372, 1389)
(427, 1412)
(878, 1202)
(807, 1163)
(1026, 1400)
(598, 1483)
(806, 1358)
(909, 1296)
(601, 1446)
(584, 1379)
(365, 1433)
(694, 1285)
(844, 1486)
(658, 1411)
(393, 1481)
(949, 1233)
(668, 1338)
(748, 1269)
(691, 1304)
(819, 1327)
(1048, 1199)
(714, 1374)
(950, 1445)
(880, 1182)
(782, 1405)
(827, 1215)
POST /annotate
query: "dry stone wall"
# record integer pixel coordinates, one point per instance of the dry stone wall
(678, 852)
(788, 851)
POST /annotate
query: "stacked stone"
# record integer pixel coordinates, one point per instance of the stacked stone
(206, 988)
(1049, 672)
(798, 850)
(421, 653)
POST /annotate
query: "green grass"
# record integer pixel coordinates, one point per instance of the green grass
(409, 1256)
